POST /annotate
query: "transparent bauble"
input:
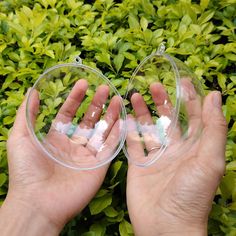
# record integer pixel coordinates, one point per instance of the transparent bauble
(76, 116)
(164, 105)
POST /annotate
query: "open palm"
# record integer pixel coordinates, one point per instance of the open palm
(174, 195)
(54, 191)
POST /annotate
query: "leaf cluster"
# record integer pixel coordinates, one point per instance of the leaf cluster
(114, 36)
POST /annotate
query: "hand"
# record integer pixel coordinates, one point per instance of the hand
(39, 187)
(174, 195)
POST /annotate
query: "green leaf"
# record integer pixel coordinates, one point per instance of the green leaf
(204, 4)
(49, 2)
(230, 56)
(124, 47)
(89, 234)
(104, 57)
(186, 20)
(148, 36)
(101, 193)
(99, 204)
(182, 30)
(118, 61)
(111, 212)
(144, 23)
(50, 53)
(231, 166)
(221, 78)
(125, 228)
(205, 17)
(4, 27)
(98, 229)
(148, 7)
(3, 179)
(8, 120)
(2, 192)
(129, 56)
(115, 169)
(2, 47)
(133, 21)
(233, 206)
(158, 33)
(228, 184)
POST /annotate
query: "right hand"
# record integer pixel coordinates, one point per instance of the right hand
(44, 188)
(174, 195)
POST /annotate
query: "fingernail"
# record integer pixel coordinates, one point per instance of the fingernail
(217, 100)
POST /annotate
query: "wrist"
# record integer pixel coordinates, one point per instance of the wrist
(183, 231)
(182, 228)
(19, 218)
(169, 231)
(182, 225)
(169, 227)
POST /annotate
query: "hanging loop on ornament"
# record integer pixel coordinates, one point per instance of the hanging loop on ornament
(78, 60)
(161, 49)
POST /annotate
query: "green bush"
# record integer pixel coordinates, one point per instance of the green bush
(115, 36)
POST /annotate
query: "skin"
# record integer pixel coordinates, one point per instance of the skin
(171, 197)
(40, 187)
(174, 195)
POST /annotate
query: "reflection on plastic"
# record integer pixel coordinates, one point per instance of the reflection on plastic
(85, 146)
(162, 125)
(81, 135)
(97, 139)
(157, 133)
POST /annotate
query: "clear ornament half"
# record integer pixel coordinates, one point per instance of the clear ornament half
(75, 116)
(164, 105)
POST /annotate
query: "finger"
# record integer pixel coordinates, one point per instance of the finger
(110, 145)
(113, 112)
(145, 123)
(213, 138)
(104, 126)
(94, 111)
(142, 113)
(165, 112)
(193, 106)
(19, 129)
(161, 100)
(73, 101)
(134, 144)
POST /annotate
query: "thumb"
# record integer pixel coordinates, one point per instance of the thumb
(20, 129)
(213, 138)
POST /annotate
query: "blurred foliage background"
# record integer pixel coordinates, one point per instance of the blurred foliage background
(114, 36)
